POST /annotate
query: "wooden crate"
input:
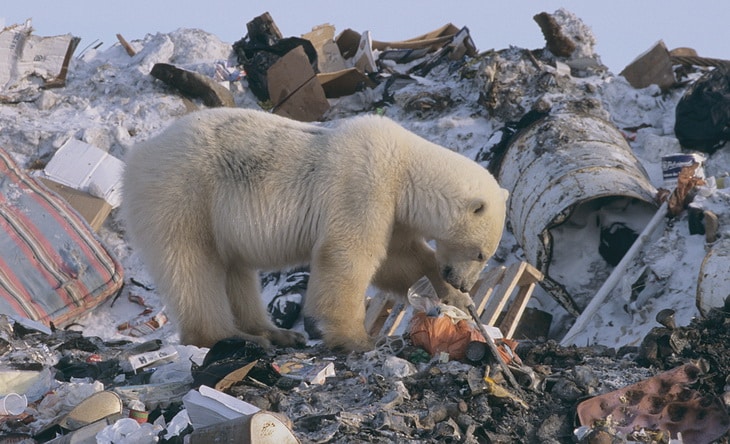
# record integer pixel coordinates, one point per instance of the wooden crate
(498, 289)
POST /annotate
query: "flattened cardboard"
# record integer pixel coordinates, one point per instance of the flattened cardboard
(93, 209)
(349, 39)
(294, 88)
(433, 40)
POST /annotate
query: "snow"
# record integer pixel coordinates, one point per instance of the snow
(112, 102)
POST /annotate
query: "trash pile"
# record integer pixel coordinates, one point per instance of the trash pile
(603, 317)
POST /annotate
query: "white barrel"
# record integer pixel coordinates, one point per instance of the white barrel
(713, 282)
(558, 163)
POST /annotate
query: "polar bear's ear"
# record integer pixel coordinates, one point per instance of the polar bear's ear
(477, 206)
(505, 194)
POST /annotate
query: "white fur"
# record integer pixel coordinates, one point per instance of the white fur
(224, 193)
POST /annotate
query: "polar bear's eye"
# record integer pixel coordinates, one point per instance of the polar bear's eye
(477, 206)
(480, 256)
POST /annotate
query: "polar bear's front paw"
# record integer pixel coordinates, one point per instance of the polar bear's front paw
(355, 344)
(287, 338)
(348, 341)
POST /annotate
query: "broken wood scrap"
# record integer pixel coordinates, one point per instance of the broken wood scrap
(194, 85)
(492, 347)
(127, 47)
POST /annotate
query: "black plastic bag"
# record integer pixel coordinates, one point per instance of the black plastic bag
(615, 242)
(703, 113)
(286, 305)
(257, 56)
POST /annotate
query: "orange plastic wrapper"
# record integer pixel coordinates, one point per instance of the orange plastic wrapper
(437, 334)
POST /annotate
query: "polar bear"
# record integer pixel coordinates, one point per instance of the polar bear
(224, 193)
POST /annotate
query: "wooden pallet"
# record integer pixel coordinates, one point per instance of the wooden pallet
(497, 288)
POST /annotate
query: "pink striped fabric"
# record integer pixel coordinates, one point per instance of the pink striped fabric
(52, 266)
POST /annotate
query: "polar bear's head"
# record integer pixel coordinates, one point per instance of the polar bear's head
(473, 237)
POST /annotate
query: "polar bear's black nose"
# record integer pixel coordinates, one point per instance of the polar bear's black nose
(446, 273)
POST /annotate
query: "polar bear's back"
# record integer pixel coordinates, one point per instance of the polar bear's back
(244, 174)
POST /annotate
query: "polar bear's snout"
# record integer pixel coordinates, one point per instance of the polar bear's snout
(458, 280)
(460, 264)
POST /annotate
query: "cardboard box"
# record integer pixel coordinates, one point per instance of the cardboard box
(344, 82)
(23, 55)
(329, 58)
(294, 89)
(88, 178)
(207, 406)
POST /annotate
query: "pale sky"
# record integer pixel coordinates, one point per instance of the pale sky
(623, 28)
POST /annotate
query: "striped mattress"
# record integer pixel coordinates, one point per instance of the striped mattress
(52, 266)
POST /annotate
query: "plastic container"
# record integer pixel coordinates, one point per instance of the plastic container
(12, 404)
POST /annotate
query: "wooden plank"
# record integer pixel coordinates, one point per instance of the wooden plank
(377, 312)
(398, 320)
(482, 290)
(195, 85)
(530, 275)
(499, 299)
(516, 308)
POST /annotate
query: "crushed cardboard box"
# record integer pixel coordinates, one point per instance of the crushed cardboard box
(329, 58)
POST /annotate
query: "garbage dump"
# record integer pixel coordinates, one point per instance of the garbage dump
(651, 365)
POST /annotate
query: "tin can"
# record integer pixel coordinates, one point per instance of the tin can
(672, 165)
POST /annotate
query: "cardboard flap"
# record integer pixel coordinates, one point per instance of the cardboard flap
(344, 82)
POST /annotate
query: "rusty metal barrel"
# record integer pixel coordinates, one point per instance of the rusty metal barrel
(559, 163)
